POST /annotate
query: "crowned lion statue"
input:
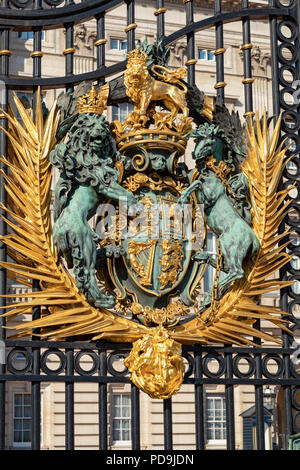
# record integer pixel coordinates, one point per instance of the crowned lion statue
(143, 90)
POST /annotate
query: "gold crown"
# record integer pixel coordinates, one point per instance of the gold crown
(93, 102)
(137, 55)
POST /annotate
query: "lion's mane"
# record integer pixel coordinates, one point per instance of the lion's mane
(134, 91)
(76, 159)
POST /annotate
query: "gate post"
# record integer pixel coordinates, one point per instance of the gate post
(3, 146)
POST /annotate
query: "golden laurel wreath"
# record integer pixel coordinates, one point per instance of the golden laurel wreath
(65, 311)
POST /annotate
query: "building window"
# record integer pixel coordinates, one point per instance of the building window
(29, 35)
(118, 44)
(120, 113)
(121, 418)
(22, 420)
(204, 54)
(215, 418)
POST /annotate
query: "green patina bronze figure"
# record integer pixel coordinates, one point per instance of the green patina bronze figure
(236, 238)
(87, 176)
(222, 188)
(146, 263)
(90, 164)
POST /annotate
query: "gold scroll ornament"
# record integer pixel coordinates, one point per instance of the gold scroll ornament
(156, 364)
(170, 262)
(141, 256)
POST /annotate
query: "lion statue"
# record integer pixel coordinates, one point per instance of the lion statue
(86, 163)
(143, 89)
(156, 364)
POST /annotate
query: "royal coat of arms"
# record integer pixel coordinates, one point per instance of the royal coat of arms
(125, 255)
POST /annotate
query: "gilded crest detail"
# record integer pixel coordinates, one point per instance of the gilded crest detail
(156, 364)
(171, 262)
(138, 251)
(136, 276)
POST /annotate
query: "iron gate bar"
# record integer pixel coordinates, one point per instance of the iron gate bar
(102, 402)
(23, 19)
(259, 403)
(135, 417)
(69, 400)
(100, 39)
(58, 82)
(168, 434)
(193, 381)
(4, 64)
(220, 85)
(274, 61)
(190, 39)
(160, 19)
(69, 54)
(36, 311)
(284, 302)
(246, 48)
(35, 385)
(130, 29)
(288, 414)
(229, 400)
(199, 401)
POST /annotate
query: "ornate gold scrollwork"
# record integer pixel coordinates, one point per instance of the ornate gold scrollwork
(170, 262)
(156, 364)
(145, 91)
(146, 250)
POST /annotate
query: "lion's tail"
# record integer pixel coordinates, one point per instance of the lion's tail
(171, 76)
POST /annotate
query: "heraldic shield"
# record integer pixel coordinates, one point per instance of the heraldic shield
(158, 243)
(135, 277)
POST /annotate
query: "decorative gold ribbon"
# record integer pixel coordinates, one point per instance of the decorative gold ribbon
(245, 81)
(130, 27)
(70, 50)
(191, 62)
(99, 42)
(246, 46)
(159, 11)
(220, 85)
(36, 54)
(220, 51)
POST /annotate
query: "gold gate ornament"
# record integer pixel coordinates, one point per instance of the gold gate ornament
(156, 364)
(155, 361)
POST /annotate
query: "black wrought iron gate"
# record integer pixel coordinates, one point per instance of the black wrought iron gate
(38, 15)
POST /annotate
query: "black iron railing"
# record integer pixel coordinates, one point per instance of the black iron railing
(61, 362)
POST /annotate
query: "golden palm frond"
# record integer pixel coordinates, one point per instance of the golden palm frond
(238, 308)
(64, 310)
